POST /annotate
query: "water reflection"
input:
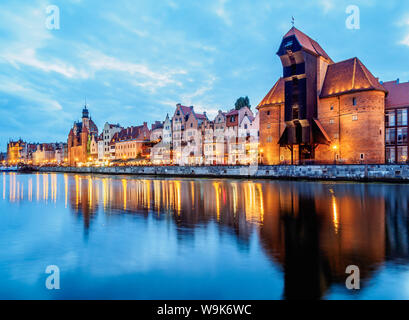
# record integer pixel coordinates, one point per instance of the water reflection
(312, 231)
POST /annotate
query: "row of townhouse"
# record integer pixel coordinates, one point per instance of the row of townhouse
(186, 138)
(35, 153)
(190, 138)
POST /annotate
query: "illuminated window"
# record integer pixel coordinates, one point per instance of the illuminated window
(331, 121)
(402, 154)
(354, 117)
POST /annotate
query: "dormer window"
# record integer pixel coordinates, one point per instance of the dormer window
(289, 43)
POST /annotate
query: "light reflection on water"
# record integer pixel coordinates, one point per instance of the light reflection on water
(132, 237)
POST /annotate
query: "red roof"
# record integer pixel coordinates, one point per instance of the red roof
(232, 112)
(349, 76)
(275, 95)
(307, 43)
(186, 110)
(200, 116)
(398, 94)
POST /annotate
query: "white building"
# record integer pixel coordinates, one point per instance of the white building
(107, 134)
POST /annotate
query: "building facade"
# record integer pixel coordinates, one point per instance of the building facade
(130, 143)
(79, 139)
(107, 134)
(321, 111)
(396, 122)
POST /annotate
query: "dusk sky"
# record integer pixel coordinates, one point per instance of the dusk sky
(134, 60)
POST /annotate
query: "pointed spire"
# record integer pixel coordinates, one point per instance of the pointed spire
(292, 20)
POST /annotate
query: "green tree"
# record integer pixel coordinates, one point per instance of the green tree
(242, 102)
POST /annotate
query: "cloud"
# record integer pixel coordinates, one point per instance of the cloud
(327, 5)
(405, 23)
(29, 58)
(98, 61)
(221, 12)
(26, 92)
(127, 25)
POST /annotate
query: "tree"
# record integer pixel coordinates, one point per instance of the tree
(242, 102)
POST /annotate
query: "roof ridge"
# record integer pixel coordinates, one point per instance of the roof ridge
(364, 71)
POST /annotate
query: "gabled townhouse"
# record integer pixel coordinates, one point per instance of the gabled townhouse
(161, 152)
(179, 120)
(235, 145)
(129, 143)
(108, 133)
(248, 139)
(192, 152)
(220, 141)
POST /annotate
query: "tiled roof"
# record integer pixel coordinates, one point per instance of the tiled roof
(186, 110)
(200, 116)
(232, 112)
(275, 95)
(348, 76)
(307, 43)
(398, 95)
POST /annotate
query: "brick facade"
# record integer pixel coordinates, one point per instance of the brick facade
(321, 111)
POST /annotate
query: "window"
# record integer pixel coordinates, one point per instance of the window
(269, 139)
(402, 117)
(332, 108)
(390, 136)
(288, 43)
(245, 126)
(402, 136)
(355, 117)
(402, 154)
(390, 118)
(362, 156)
(354, 101)
(331, 121)
(268, 113)
(295, 112)
(268, 126)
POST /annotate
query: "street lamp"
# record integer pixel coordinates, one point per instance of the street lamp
(335, 148)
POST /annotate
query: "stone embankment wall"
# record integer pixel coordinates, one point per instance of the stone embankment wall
(396, 173)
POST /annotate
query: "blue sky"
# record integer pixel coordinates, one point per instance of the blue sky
(134, 59)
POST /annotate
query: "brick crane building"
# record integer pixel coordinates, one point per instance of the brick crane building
(321, 111)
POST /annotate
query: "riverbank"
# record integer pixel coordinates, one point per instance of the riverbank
(385, 173)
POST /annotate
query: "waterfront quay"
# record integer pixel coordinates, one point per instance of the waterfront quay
(363, 172)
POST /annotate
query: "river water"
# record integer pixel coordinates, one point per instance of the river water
(127, 237)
